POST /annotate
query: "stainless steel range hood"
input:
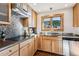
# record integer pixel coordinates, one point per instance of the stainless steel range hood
(19, 11)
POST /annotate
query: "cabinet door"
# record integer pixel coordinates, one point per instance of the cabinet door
(53, 46)
(31, 48)
(10, 50)
(46, 45)
(78, 14)
(35, 44)
(15, 54)
(34, 17)
(75, 16)
(24, 22)
(24, 51)
(5, 13)
(57, 45)
(40, 43)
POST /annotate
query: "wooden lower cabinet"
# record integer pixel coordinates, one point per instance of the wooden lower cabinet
(50, 44)
(40, 42)
(24, 51)
(11, 51)
(46, 45)
(55, 46)
(29, 48)
(35, 44)
(15, 53)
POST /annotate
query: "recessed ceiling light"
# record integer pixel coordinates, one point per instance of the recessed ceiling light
(50, 8)
(66, 5)
(34, 3)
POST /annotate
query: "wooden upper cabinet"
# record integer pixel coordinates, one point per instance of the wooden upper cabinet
(34, 18)
(76, 15)
(24, 22)
(5, 13)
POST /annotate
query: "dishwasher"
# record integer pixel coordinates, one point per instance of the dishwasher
(70, 47)
(74, 48)
(66, 45)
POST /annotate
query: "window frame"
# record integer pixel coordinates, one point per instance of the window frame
(53, 29)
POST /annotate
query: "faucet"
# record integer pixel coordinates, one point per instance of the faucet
(2, 35)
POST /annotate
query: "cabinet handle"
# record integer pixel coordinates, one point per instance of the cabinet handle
(10, 50)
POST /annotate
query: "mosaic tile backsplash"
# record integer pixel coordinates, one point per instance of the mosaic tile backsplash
(14, 29)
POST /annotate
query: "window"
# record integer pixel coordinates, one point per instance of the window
(47, 23)
(56, 22)
(53, 23)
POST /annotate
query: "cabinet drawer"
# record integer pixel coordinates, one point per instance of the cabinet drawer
(15, 53)
(51, 38)
(25, 43)
(9, 51)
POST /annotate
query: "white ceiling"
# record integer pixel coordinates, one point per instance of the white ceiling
(45, 7)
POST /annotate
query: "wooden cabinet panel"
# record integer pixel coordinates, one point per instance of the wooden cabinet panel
(9, 51)
(46, 45)
(24, 44)
(24, 51)
(34, 16)
(40, 43)
(15, 53)
(78, 14)
(27, 49)
(5, 13)
(75, 15)
(35, 44)
(31, 48)
(24, 22)
(55, 46)
(50, 44)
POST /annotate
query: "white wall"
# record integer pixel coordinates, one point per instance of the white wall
(68, 19)
(76, 30)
